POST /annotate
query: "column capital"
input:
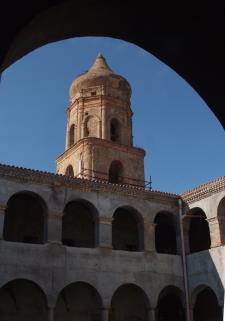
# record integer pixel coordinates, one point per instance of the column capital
(3, 207)
(53, 213)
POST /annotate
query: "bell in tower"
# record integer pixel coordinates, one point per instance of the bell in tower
(99, 129)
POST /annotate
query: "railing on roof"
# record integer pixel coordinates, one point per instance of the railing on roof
(103, 176)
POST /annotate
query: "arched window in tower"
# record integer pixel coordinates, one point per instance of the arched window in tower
(127, 230)
(25, 219)
(69, 171)
(80, 224)
(115, 130)
(116, 172)
(198, 230)
(91, 127)
(72, 135)
(165, 234)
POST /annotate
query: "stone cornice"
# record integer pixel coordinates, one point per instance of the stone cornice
(102, 142)
(204, 190)
(24, 175)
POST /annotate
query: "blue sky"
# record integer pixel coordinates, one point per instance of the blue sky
(184, 141)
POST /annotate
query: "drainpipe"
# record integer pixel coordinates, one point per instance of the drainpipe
(184, 263)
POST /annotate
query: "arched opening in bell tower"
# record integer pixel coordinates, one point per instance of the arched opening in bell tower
(69, 171)
(116, 172)
(115, 130)
(72, 135)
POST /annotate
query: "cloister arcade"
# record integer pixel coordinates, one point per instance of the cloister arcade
(23, 300)
(100, 259)
(26, 220)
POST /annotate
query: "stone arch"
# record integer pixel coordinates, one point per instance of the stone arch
(205, 304)
(116, 172)
(197, 228)
(221, 219)
(115, 130)
(80, 224)
(22, 300)
(72, 135)
(129, 302)
(26, 218)
(170, 304)
(78, 301)
(91, 126)
(127, 229)
(69, 171)
(165, 233)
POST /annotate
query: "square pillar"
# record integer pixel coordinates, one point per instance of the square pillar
(149, 237)
(51, 313)
(215, 233)
(151, 314)
(105, 232)
(54, 227)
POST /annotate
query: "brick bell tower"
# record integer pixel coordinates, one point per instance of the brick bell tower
(99, 129)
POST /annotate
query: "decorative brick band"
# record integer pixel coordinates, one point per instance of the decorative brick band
(204, 190)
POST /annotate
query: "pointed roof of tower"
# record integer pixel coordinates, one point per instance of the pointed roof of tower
(100, 65)
(100, 74)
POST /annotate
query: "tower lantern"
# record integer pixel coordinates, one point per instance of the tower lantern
(99, 129)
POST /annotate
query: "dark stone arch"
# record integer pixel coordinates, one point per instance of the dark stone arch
(78, 301)
(198, 230)
(69, 171)
(72, 135)
(22, 300)
(206, 306)
(170, 305)
(115, 130)
(129, 302)
(188, 53)
(165, 233)
(116, 172)
(221, 220)
(80, 224)
(127, 230)
(26, 218)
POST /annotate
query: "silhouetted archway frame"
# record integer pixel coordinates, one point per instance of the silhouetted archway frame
(22, 299)
(127, 229)
(26, 218)
(169, 42)
(80, 224)
(165, 233)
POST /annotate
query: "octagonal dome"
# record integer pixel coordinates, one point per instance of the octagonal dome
(100, 74)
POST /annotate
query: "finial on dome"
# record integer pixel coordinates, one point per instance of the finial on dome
(100, 55)
(100, 65)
